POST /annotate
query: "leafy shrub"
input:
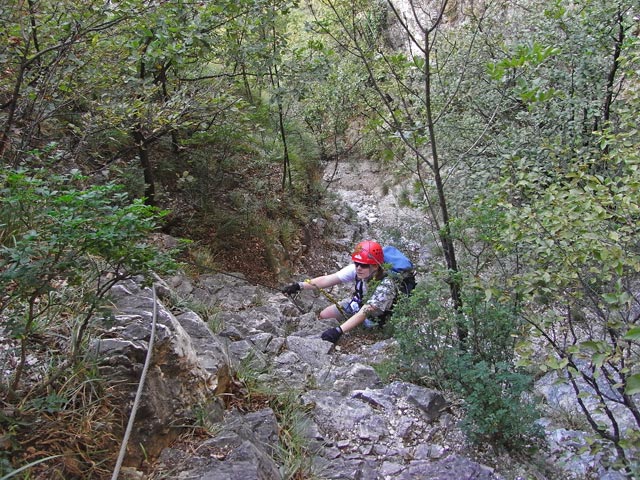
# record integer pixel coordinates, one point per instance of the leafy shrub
(424, 330)
(65, 245)
(494, 405)
(62, 247)
(483, 374)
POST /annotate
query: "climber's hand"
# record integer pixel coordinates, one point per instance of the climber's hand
(332, 335)
(291, 288)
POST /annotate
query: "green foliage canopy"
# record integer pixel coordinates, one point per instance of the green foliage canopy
(63, 246)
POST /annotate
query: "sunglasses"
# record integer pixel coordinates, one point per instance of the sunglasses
(362, 265)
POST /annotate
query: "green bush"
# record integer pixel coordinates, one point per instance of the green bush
(62, 248)
(495, 406)
(483, 373)
(425, 332)
(63, 245)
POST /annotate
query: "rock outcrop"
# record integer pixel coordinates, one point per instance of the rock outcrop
(356, 426)
(189, 366)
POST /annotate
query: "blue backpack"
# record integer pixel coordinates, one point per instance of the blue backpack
(402, 270)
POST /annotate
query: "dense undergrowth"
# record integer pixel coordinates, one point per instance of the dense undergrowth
(518, 153)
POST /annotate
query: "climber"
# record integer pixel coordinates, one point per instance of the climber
(366, 269)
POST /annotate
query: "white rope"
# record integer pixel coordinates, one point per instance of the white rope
(136, 402)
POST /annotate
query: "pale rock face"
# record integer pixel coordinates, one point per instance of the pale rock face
(355, 424)
(180, 377)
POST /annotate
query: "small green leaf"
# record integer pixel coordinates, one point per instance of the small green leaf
(555, 364)
(633, 334)
(633, 384)
(591, 345)
(611, 298)
(598, 359)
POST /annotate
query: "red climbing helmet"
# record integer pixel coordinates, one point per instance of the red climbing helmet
(368, 252)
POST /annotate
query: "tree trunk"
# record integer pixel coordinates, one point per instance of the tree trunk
(147, 170)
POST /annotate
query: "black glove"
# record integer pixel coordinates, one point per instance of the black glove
(291, 288)
(332, 335)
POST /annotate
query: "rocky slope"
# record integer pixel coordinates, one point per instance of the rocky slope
(212, 405)
(355, 426)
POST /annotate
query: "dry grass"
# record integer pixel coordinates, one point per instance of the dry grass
(80, 435)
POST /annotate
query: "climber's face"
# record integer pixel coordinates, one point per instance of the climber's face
(364, 271)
